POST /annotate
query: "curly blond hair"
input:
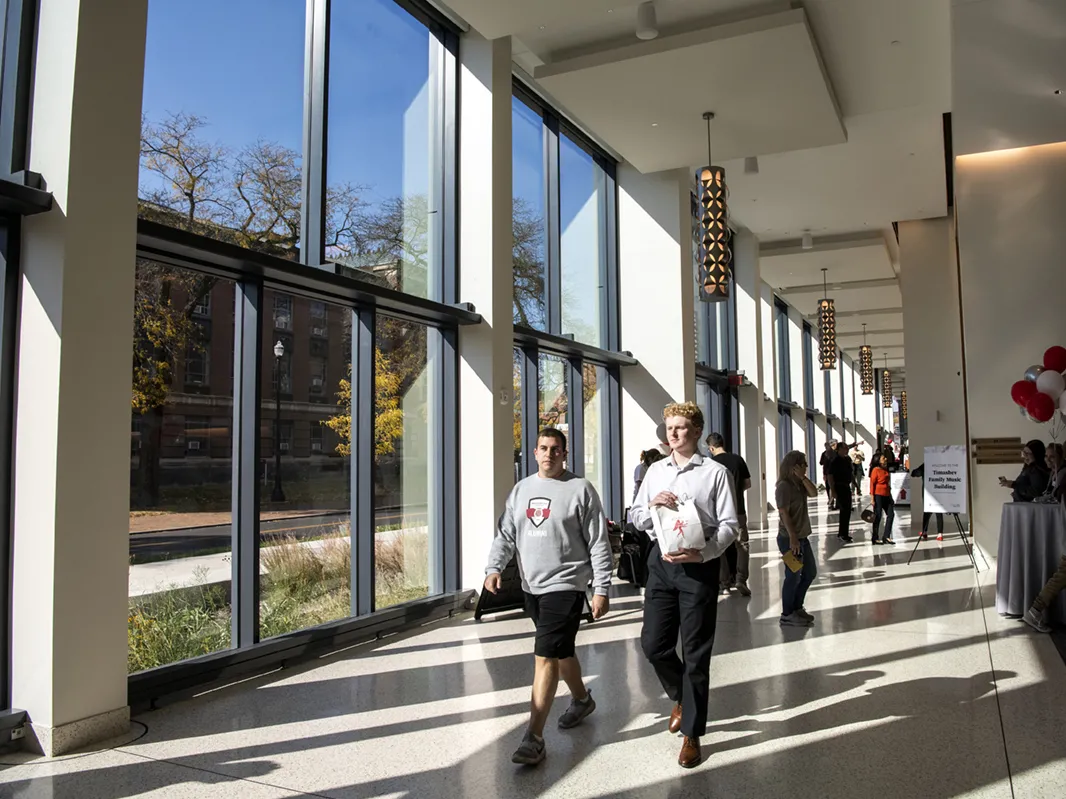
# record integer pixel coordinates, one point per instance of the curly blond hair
(687, 410)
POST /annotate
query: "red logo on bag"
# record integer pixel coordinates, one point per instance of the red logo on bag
(679, 528)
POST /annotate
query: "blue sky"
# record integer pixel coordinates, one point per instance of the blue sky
(239, 64)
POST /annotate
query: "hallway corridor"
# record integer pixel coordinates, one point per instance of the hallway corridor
(909, 685)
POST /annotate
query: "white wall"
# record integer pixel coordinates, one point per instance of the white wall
(795, 355)
(936, 413)
(1010, 203)
(1011, 240)
(655, 282)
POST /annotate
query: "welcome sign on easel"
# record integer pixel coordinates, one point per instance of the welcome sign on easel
(945, 479)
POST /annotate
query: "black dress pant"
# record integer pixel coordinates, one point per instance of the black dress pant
(939, 522)
(681, 599)
(844, 507)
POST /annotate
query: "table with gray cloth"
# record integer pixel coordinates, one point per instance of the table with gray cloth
(1032, 540)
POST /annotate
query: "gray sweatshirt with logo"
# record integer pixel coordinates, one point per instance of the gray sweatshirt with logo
(558, 528)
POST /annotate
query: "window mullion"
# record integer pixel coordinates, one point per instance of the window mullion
(575, 415)
(363, 406)
(316, 93)
(530, 366)
(248, 310)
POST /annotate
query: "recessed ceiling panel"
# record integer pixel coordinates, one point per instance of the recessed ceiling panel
(762, 77)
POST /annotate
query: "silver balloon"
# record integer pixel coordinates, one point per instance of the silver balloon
(1033, 372)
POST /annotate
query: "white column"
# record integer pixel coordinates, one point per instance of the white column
(750, 349)
(657, 298)
(486, 412)
(71, 483)
(1010, 189)
(936, 409)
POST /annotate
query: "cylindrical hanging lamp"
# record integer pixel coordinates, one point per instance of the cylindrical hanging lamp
(714, 254)
(827, 329)
(886, 385)
(866, 366)
(903, 404)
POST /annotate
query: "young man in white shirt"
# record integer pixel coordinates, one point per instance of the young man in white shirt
(555, 522)
(681, 595)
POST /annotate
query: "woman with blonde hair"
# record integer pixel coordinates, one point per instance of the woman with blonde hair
(794, 531)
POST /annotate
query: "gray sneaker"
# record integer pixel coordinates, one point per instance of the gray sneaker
(576, 713)
(742, 588)
(808, 616)
(794, 619)
(530, 752)
(1035, 619)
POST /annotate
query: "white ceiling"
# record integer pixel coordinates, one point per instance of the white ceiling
(887, 63)
(647, 98)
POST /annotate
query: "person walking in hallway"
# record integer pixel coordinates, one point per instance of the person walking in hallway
(793, 536)
(555, 522)
(881, 491)
(840, 474)
(737, 557)
(827, 476)
(681, 595)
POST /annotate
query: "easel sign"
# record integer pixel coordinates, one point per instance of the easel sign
(945, 479)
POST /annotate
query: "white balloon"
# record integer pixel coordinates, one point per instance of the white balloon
(1051, 383)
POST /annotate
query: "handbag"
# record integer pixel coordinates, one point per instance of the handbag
(678, 529)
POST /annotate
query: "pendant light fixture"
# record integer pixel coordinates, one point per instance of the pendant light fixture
(827, 329)
(886, 385)
(714, 255)
(903, 404)
(866, 366)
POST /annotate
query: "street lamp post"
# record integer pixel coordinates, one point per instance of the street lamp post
(277, 495)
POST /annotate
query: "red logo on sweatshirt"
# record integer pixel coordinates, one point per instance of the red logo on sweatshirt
(539, 510)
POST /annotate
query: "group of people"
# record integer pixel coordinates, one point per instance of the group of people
(554, 522)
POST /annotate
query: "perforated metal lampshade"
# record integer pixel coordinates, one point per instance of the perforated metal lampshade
(827, 330)
(714, 254)
(903, 404)
(886, 388)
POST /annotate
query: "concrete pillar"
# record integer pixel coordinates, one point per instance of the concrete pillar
(750, 348)
(71, 483)
(932, 338)
(486, 412)
(657, 298)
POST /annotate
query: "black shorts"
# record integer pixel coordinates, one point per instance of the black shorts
(557, 616)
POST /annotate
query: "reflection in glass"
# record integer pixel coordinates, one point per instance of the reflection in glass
(382, 203)
(221, 139)
(304, 515)
(516, 376)
(406, 449)
(528, 215)
(552, 395)
(582, 189)
(594, 392)
(180, 475)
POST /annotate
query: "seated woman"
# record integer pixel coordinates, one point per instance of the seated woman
(1056, 463)
(1033, 478)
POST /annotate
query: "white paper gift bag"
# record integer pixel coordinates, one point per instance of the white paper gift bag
(678, 529)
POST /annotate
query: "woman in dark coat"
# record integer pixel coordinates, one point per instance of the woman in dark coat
(1033, 479)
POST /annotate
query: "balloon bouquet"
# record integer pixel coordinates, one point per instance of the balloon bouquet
(1043, 391)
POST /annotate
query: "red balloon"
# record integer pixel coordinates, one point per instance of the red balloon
(1055, 359)
(1041, 407)
(1023, 391)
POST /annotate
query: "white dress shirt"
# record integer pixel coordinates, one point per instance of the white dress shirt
(704, 481)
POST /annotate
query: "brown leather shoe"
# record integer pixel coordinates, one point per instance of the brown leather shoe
(690, 756)
(675, 719)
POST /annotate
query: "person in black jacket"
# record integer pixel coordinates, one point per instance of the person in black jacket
(1033, 479)
(840, 472)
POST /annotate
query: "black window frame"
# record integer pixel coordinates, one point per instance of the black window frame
(532, 343)
(808, 365)
(256, 273)
(784, 354)
(812, 448)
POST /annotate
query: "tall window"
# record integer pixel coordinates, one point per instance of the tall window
(565, 273)
(222, 139)
(565, 295)
(316, 433)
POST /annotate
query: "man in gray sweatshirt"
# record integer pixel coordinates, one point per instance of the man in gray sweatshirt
(555, 522)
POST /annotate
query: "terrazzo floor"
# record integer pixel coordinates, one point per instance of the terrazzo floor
(909, 685)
